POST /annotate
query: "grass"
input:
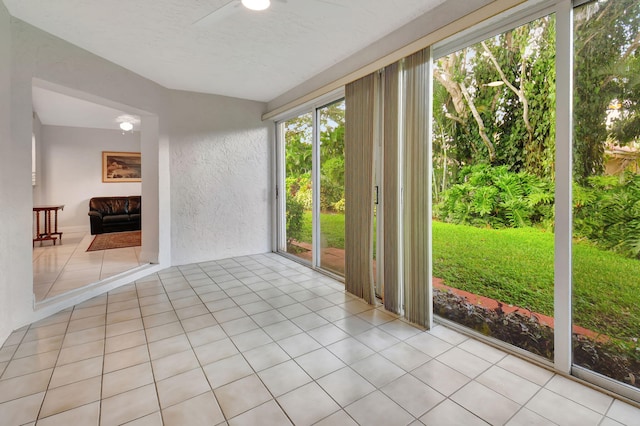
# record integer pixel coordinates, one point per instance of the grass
(515, 266)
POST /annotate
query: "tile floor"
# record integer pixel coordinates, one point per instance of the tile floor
(67, 265)
(261, 340)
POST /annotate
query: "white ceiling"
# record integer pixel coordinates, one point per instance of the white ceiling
(57, 109)
(187, 45)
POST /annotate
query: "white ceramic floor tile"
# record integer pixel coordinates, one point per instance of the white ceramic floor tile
(319, 363)
(597, 401)
(266, 356)
(268, 413)
(241, 396)
(485, 403)
(623, 412)
(448, 413)
(84, 415)
(202, 410)
(284, 377)
(405, 356)
(21, 410)
(346, 386)
(181, 387)
(429, 344)
(377, 408)
(561, 410)
(307, 405)
(326, 356)
(508, 384)
(463, 361)
(528, 417)
(227, 370)
(529, 371)
(412, 395)
(378, 370)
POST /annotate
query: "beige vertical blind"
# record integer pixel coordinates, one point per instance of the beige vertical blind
(359, 134)
(417, 292)
(391, 188)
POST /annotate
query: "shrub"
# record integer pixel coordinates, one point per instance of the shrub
(300, 189)
(607, 212)
(295, 212)
(498, 198)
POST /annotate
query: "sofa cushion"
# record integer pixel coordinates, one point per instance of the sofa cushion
(135, 204)
(109, 205)
(115, 218)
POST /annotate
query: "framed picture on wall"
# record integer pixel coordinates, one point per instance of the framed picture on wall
(121, 167)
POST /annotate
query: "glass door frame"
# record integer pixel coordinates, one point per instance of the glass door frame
(313, 108)
(563, 266)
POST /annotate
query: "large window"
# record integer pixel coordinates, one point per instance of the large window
(312, 175)
(296, 136)
(534, 187)
(493, 186)
(606, 195)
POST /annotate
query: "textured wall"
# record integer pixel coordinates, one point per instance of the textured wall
(27, 54)
(7, 233)
(205, 168)
(71, 172)
(220, 178)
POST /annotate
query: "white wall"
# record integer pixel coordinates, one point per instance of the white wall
(219, 130)
(9, 264)
(220, 178)
(37, 132)
(71, 170)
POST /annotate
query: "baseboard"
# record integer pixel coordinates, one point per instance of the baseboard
(62, 301)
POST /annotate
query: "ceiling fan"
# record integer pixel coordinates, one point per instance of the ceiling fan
(231, 7)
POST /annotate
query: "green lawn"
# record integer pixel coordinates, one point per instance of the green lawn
(515, 266)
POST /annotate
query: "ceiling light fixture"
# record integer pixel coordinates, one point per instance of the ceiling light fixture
(126, 126)
(256, 4)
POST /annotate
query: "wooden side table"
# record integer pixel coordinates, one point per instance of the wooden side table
(50, 233)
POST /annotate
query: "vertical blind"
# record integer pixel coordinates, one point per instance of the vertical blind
(359, 135)
(406, 187)
(391, 188)
(416, 218)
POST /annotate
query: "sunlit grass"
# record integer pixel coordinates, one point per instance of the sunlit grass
(516, 266)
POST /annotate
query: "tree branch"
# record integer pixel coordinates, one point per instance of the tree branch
(481, 128)
(518, 91)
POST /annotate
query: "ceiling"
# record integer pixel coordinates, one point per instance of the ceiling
(208, 46)
(57, 109)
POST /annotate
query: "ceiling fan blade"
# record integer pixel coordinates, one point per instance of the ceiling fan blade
(220, 14)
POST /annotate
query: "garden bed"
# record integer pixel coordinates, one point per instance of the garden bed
(619, 360)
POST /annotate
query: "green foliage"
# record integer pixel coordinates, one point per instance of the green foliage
(605, 69)
(607, 212)
(299, 189)
(298, 157)
(294, 217)
(509, 80)
(496, 197)
(516, 267)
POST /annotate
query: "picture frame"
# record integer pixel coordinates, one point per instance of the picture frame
(121, 167)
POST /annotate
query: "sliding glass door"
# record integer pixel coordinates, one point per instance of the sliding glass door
(493, 148)
(296, 142)
(311, 164)
(332, 203)
(606, 190)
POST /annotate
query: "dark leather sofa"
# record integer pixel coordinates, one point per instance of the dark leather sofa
(114, 214)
